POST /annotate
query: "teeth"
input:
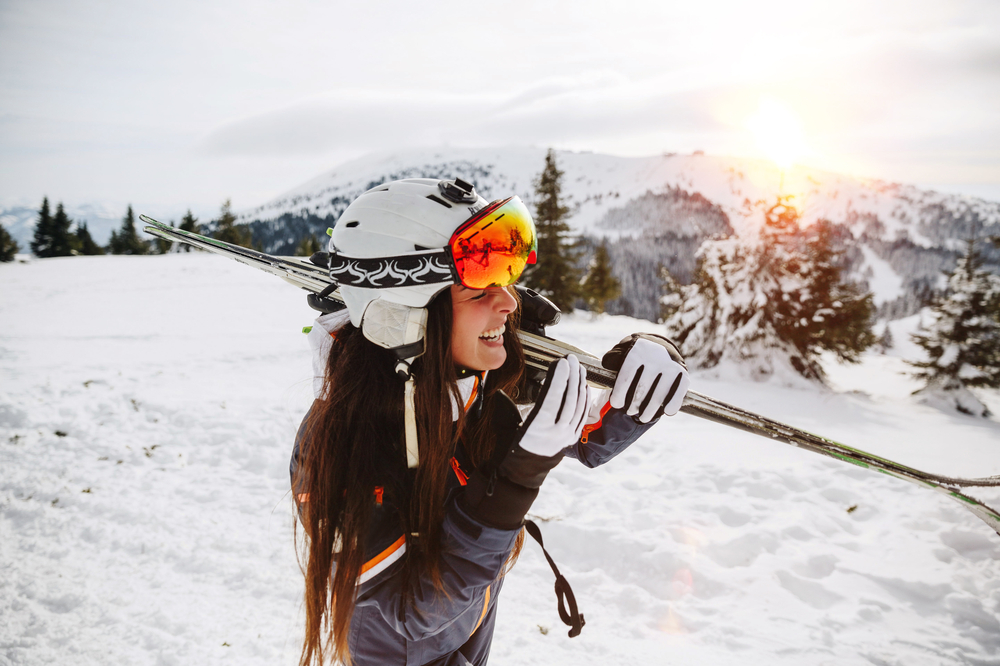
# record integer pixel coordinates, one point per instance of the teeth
(494, 334)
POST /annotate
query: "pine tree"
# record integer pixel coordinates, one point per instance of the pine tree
(885, 341)
(599, 285)
(8, 246)
(127, 241)
(61, 238)
(228, 231)
(962, 342)
(189, 223)
(308, 247)
(825, 313)
(41, 244)
(555, 275)
(84, 242)
(775, 299)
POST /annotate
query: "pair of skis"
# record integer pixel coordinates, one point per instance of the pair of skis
(541, 350)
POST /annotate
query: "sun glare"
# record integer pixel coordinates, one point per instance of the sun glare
(778, 132)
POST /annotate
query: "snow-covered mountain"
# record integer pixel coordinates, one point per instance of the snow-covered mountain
(655, 211)
(652, 211)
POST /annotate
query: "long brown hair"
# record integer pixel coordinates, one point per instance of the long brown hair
(351, 432)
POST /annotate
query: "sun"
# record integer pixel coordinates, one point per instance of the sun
(778, 132)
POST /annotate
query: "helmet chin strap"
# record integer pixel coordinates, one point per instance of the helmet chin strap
(400, 329)
(410, 420)
(409, 412)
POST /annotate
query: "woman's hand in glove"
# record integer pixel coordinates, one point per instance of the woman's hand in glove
(652, 378)
(560, 411)
(500, 493)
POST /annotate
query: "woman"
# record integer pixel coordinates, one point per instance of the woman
(414, 469)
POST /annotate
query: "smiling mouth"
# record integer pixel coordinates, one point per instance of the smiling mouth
(494, 334)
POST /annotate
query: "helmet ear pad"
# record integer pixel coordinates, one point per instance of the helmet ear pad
(398, 328)
(358, 299)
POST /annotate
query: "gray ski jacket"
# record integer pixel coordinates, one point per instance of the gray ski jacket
(454, 628)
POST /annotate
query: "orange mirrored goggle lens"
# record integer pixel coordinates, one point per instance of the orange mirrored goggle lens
(492, 249)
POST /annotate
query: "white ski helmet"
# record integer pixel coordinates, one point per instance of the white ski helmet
(400, 244)
(394, 249)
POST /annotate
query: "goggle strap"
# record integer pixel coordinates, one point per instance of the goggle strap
(404, 270)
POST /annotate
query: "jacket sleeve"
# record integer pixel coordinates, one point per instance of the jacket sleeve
(611, 432)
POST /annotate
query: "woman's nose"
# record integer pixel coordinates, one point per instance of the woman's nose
(503, 301)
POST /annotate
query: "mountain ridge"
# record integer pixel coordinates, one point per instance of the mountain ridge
(656, 210)
(651, 211)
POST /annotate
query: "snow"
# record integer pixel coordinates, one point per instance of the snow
(885, 284)
(147, 410)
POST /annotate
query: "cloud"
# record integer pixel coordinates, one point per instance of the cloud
(264, 86)
(551, 111)
(346, 120)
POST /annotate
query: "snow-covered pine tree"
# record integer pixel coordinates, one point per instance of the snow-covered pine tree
(126, 240)
(826, 313)
(769, 303)
(228, 231)
(962, 339)
(599, 285)
(555, 275)
(189, 223)
(8, 246)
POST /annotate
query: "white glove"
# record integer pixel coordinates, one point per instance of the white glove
(559, 414)
(650, 382)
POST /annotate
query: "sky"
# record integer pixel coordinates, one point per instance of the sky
(188, 103)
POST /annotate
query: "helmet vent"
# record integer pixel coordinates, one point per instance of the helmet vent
(352, 224)
(438, 200)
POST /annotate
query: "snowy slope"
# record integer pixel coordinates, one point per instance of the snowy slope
(147, 409)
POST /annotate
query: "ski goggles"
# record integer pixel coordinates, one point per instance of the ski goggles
(490, 249)
(495, 245)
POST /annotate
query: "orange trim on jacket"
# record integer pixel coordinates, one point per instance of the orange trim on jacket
(472, 396)
(591, 427)
(384, 554)
(486, 607)
(462, 477)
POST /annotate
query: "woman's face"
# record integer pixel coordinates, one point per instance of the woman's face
(477, 326)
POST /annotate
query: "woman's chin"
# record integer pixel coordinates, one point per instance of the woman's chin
(490, 355)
